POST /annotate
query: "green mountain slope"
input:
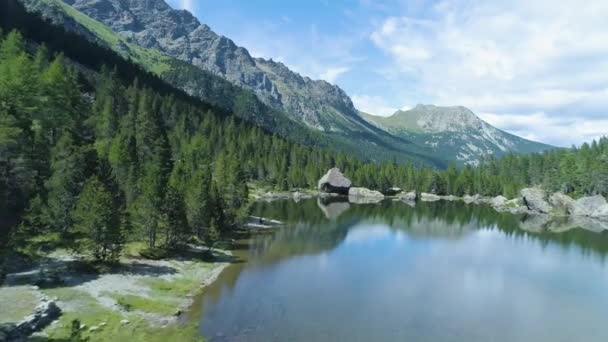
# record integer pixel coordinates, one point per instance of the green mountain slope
(329, 121)
(454, 133)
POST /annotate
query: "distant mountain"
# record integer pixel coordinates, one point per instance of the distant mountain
(189, 55)
(454, 133)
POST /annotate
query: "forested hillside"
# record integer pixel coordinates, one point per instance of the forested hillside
(343, 132)
(106, 154)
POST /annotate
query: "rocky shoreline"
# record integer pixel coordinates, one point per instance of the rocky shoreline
(530, 202)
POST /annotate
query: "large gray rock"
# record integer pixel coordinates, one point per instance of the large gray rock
(593, 206)
(334, 182)
(471, 199)
(601, 212)
(426, 197)
(562, 204)
(364, 192)
(516, 206)
(536, 200)
(498, 202)
(45, 314)
(408, 196)
(364, 196)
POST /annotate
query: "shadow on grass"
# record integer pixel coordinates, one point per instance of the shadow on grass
(54, 273)
(62, 273)
(206, 255)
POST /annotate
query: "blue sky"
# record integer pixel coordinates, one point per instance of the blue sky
(538, 68)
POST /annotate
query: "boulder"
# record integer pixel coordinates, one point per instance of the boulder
(364, 196)
(426, 197)
(471, 199)
(45, 314)
(562, 204)
(601, 212)
(590, 206)
(498, 202)
(516, 206)
(334, 182)
(449, 198)
(536, 200)
(408, 196)
(364, 192)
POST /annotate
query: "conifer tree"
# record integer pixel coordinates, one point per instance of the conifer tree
(97, 217)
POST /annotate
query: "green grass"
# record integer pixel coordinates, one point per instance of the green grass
(150, 305)
(179, 287)
(90, 313)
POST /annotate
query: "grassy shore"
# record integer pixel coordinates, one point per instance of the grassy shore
(137, 300)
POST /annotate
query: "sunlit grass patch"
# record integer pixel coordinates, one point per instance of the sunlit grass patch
(16, 303)
(111, 326)
(129, 302)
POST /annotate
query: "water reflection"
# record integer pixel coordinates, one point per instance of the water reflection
(437, 220)
(436, 272)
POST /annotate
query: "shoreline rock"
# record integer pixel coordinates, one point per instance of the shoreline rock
(334, 182)
(364, 192)
(426, 197)
(535, 199)
(411, 196)
(594, 206)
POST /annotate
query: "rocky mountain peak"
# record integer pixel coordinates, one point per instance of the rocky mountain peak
(154, 24)
(431, 118)
(455, 132)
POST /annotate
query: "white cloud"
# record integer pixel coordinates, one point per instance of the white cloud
(188, 5)
(331, 74)
(504, 57)
(556, 130)
(374, 105)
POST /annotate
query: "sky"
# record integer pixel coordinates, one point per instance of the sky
(535, 68)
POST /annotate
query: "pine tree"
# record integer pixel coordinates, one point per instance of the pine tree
(65, 183)
(97, 217)
(174, 219)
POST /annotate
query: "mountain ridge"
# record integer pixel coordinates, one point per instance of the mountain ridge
(456, 130)
(154, 24)
(355, 135)
(193, 49)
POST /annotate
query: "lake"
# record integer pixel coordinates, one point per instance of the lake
(395, 272)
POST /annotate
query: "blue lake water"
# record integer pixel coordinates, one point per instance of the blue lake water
(393, 272)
